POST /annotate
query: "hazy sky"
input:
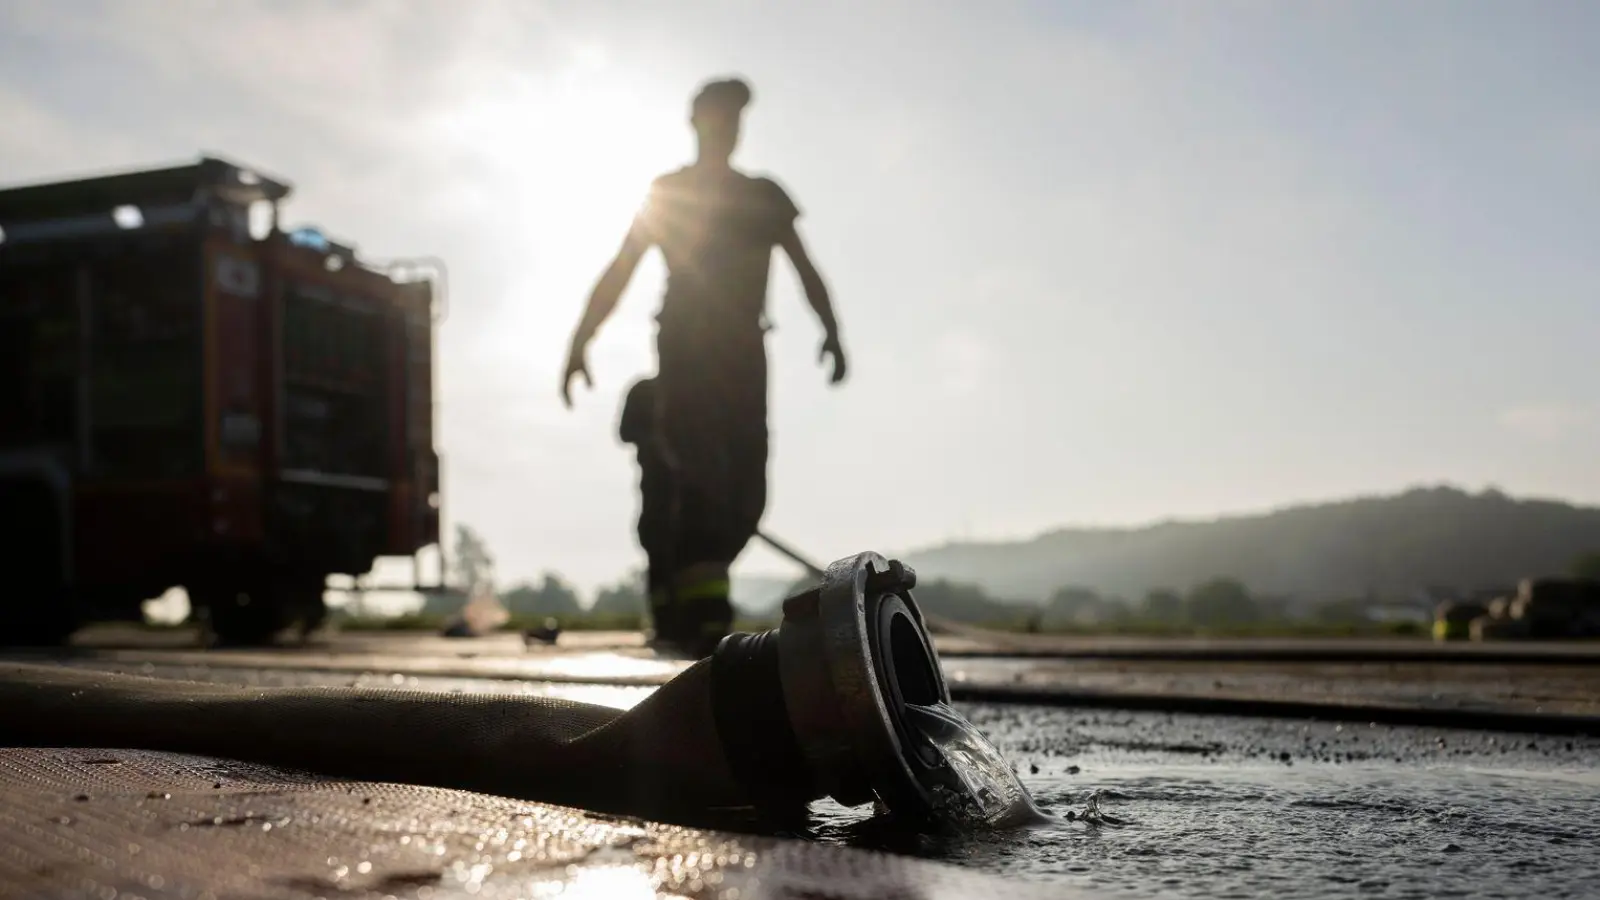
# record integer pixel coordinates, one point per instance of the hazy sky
(1096, 262)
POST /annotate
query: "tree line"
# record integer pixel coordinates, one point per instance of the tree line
(1381, 545)
(1215, 602)
(1219, 603)
(472, 570)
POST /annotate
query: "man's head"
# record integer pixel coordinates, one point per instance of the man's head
(715, 116)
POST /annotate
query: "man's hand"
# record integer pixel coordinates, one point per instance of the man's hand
(832, 347)
(601, 302)
(577, 364)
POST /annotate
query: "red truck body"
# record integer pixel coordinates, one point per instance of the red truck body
(184, 403)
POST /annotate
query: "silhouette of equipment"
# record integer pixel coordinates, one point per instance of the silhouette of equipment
(813, 708)
(812, 569)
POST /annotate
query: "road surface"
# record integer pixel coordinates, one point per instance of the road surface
(1150, 801)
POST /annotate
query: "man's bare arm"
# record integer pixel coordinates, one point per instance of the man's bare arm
(608, 290)
(810, 280)
(602, 301)
(817, 296)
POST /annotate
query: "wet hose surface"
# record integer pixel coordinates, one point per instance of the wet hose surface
(820, 706)
(113, 823)
(767, 723)
(660, 758)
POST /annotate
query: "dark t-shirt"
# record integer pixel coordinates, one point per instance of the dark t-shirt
(716, 230)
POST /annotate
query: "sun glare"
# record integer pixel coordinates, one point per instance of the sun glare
(571, 157)
(556, 168)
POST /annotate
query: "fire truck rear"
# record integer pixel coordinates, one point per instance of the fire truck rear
(192, 396)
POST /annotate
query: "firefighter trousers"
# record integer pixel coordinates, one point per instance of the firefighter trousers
(703, 476)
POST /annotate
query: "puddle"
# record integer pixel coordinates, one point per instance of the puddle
(1276, 808)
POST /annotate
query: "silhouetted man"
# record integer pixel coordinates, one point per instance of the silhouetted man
(701, 423)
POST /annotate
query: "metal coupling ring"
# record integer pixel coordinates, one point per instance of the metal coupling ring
(852, 652)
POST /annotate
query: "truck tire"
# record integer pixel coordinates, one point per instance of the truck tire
(243, 617)
(314, 619)
(43, 620)
(37, 609)
(303, 598)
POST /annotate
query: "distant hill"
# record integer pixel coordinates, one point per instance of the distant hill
(1393, 545)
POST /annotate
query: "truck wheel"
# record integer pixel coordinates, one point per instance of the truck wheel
(244, 617)
(46, 620)
(308, 608)
(314, 619)
(39, 607)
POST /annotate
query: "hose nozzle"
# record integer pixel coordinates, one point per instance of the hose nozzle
(818, 706)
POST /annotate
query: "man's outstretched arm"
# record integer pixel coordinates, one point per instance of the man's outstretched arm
(816, 295)
(602, 301)
(608, 290)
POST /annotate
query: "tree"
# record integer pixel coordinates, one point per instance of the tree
(1587, 565)
(625, 598)
(1074, 605)
(440, 605)
(473, 563)
(1162, 605)
(963, 602)
(1072, 600)
(1353, 610)
(552, 597)
(1273, 607)
(1221, 601)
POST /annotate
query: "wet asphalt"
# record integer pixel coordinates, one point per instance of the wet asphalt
(1190, 806)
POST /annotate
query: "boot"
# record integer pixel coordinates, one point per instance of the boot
(693, 613)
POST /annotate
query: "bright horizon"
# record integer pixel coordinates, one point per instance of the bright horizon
(1096, 264)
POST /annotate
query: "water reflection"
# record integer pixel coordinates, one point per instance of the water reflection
(608, 665)
(614, 696)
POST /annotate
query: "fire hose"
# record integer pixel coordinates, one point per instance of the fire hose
(824, 705)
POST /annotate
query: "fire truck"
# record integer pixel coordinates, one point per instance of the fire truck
(192, 396)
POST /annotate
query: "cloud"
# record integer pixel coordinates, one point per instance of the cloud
(36, 138)
(1547, 422)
